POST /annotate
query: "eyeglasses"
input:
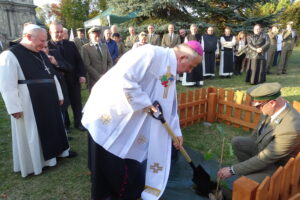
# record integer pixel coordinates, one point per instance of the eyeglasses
(259, 105)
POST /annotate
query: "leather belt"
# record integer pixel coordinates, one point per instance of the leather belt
(35, 81)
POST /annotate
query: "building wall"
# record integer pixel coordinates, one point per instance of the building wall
(13, 14)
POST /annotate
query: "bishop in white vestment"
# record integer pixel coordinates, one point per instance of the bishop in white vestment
(123, 133)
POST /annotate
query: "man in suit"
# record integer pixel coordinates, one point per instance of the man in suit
(76, 76)
(273, 47)
(289, 40)
(80, 40)
(273, 142)
(182, 34)
(170, 39)
(114, 29)
(112, 45)
(153, 38)
(132, 38)
(121, 46)
(96, 57)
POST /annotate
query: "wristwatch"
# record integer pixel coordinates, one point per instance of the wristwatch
(231, 170)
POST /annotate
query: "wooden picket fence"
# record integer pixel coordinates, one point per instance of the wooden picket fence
(233, 108)
(217, 105)
(284, 184)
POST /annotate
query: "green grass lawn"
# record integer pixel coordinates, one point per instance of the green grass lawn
(69, 180)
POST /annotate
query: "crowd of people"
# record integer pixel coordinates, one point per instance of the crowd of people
(253, 53)
(41, 78)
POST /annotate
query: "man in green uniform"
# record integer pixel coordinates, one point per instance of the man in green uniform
(275, 140)
(80, 40)
(289, 40)
(273, 46)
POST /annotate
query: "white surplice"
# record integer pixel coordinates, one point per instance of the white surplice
(27, 152)
(230, 45)
(115, 118)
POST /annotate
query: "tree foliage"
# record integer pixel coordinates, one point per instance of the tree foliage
(47, 13)
(237, 14)
(102, 5)
(73, 12)
(292, 13)
(41, 14)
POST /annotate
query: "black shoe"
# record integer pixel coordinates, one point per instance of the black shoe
(284, 73)
(72, 154)
(269, 73)
(81, 128)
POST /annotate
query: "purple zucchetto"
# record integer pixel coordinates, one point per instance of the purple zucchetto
(196, 46)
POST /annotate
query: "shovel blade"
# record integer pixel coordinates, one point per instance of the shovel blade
(201, 179)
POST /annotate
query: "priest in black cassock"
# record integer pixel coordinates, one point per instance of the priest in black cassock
(195, 77)
(258, 45)
(211, 49)
(33, 96)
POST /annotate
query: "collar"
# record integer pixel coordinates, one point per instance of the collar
(275, 115)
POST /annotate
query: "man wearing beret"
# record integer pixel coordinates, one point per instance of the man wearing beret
(274, 141)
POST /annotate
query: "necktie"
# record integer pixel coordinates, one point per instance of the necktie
(171, 36)
(150, 39)
(264, 124)
(98, 49)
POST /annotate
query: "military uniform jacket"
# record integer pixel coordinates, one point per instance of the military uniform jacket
(276, 143)
(273, 41)
(255, 42)
(288, 41)
(97, 65)
(167, 42)
(130, 40)
(154, 39)
(80, 42)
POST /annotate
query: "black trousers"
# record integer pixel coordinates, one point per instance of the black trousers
(74, 92)
(111, 176)
(238, 63)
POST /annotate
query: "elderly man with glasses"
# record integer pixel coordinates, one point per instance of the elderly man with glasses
(273, 142)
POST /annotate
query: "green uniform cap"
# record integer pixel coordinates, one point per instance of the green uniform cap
(265, 91)
(80, 29)
(94, 29)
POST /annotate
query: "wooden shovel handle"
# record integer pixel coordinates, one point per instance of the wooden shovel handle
(174, 138)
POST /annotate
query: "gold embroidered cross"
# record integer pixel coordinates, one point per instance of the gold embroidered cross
(141, 140)
(106, 119)
(128, 97)
(156, 168)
